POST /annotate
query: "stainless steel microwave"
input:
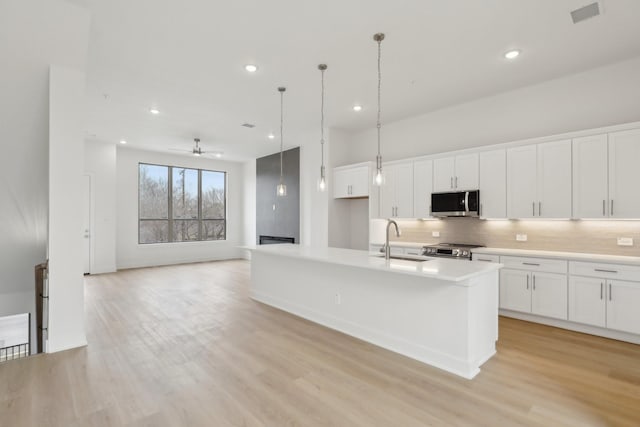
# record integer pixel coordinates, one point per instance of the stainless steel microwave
(459, 203)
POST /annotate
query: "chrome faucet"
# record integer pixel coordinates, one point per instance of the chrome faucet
(387, 248)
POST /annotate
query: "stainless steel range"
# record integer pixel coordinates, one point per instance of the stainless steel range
(449, 250)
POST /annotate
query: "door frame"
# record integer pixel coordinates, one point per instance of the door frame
(91, 177)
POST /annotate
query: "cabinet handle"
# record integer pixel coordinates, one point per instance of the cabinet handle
(605, 271)
(531, 263)
(527, 282)
(451, 185)
(534, 282)
(604, 206)
(609, 291)
(611, 207)
(456, 182)
(539, 208)
(483, 259)
(480, 209)
(601, 290)
(533, 208)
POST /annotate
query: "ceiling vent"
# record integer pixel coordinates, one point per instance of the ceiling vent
(248, 125)
(585, 12)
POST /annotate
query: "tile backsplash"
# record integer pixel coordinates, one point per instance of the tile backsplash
(598, 237)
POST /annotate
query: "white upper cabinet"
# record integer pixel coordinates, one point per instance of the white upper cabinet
(396, 195)
(443, 173)
(624, 174)
(539, 180)
(590, 180)
(457, 173)
(522, 173)
(493, 184)
(554, 179)
(466, 177)
(351, 182)
(422, 188)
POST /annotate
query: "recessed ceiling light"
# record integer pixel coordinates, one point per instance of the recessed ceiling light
(122, 141)
(251, 68)
(271, 136)
(357, 108)
(512, 54)
(218, 155)
(154, 111)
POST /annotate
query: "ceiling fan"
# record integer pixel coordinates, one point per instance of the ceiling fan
(197, 150)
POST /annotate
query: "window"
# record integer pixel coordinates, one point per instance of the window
(180, 204)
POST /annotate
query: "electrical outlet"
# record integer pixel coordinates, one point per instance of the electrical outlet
(435, 234)
(521, 237)
(338, 299)
(625, 241)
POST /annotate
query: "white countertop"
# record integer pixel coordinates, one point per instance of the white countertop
(571, 256)
(453, 270)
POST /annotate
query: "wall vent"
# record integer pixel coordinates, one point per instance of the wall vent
(585, 12)
(248, 125)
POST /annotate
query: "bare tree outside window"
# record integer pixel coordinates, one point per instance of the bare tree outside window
(181, 204)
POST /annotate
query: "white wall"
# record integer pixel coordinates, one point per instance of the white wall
(130, 254)
(248, 205)
(66, 159)
(100, 165)
(33, 35)
(595, 98)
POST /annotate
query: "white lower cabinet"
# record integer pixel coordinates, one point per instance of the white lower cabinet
(544, 294)
(515, 292)
(549, 295)
(623, 306)
(587, 302)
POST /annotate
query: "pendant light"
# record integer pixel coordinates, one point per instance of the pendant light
(378, 178)
(322, 183)
(281, 189)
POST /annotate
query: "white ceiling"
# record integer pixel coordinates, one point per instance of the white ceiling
(187, 59)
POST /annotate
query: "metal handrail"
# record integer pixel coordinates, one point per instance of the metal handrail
(12, 352)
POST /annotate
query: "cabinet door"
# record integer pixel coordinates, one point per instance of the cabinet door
(587, 300)
(549, 295)
(554, 179)
(443, 171)
(341, 183)
(493, 184)
(624, 174)
(422, 187)
(359, 181)
(404, 190)
(521, 182)
(515, 290)
(388, 193)
(590, 180)
(623, 300)
(466, 172)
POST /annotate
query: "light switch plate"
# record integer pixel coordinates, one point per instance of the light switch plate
(435, 234)
(625, 241)
(521, 237)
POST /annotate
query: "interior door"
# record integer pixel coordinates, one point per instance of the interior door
(86, 222)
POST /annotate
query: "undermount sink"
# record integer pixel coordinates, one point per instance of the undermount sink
(404, 258)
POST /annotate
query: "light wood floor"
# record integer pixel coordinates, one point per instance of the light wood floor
(185, 346)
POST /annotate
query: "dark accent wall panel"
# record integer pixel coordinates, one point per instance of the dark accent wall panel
(278, 216)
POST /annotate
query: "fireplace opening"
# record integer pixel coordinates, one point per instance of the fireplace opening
(274, 240)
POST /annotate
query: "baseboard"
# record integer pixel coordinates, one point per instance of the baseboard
(65, 348)
(576, 327)
(412, 350)
(129, 266)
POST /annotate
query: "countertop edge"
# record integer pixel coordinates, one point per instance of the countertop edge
(571, 256)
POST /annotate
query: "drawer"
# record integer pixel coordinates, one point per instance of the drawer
(413, 251)
(605, 271)
(486, 258)
(535, 264)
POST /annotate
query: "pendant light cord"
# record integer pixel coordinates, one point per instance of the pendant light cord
(379, 87)
(322, 120)
(281, 132)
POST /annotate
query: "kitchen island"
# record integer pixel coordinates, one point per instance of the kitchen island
(443, 312)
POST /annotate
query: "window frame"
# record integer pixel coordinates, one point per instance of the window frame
(170, 214)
